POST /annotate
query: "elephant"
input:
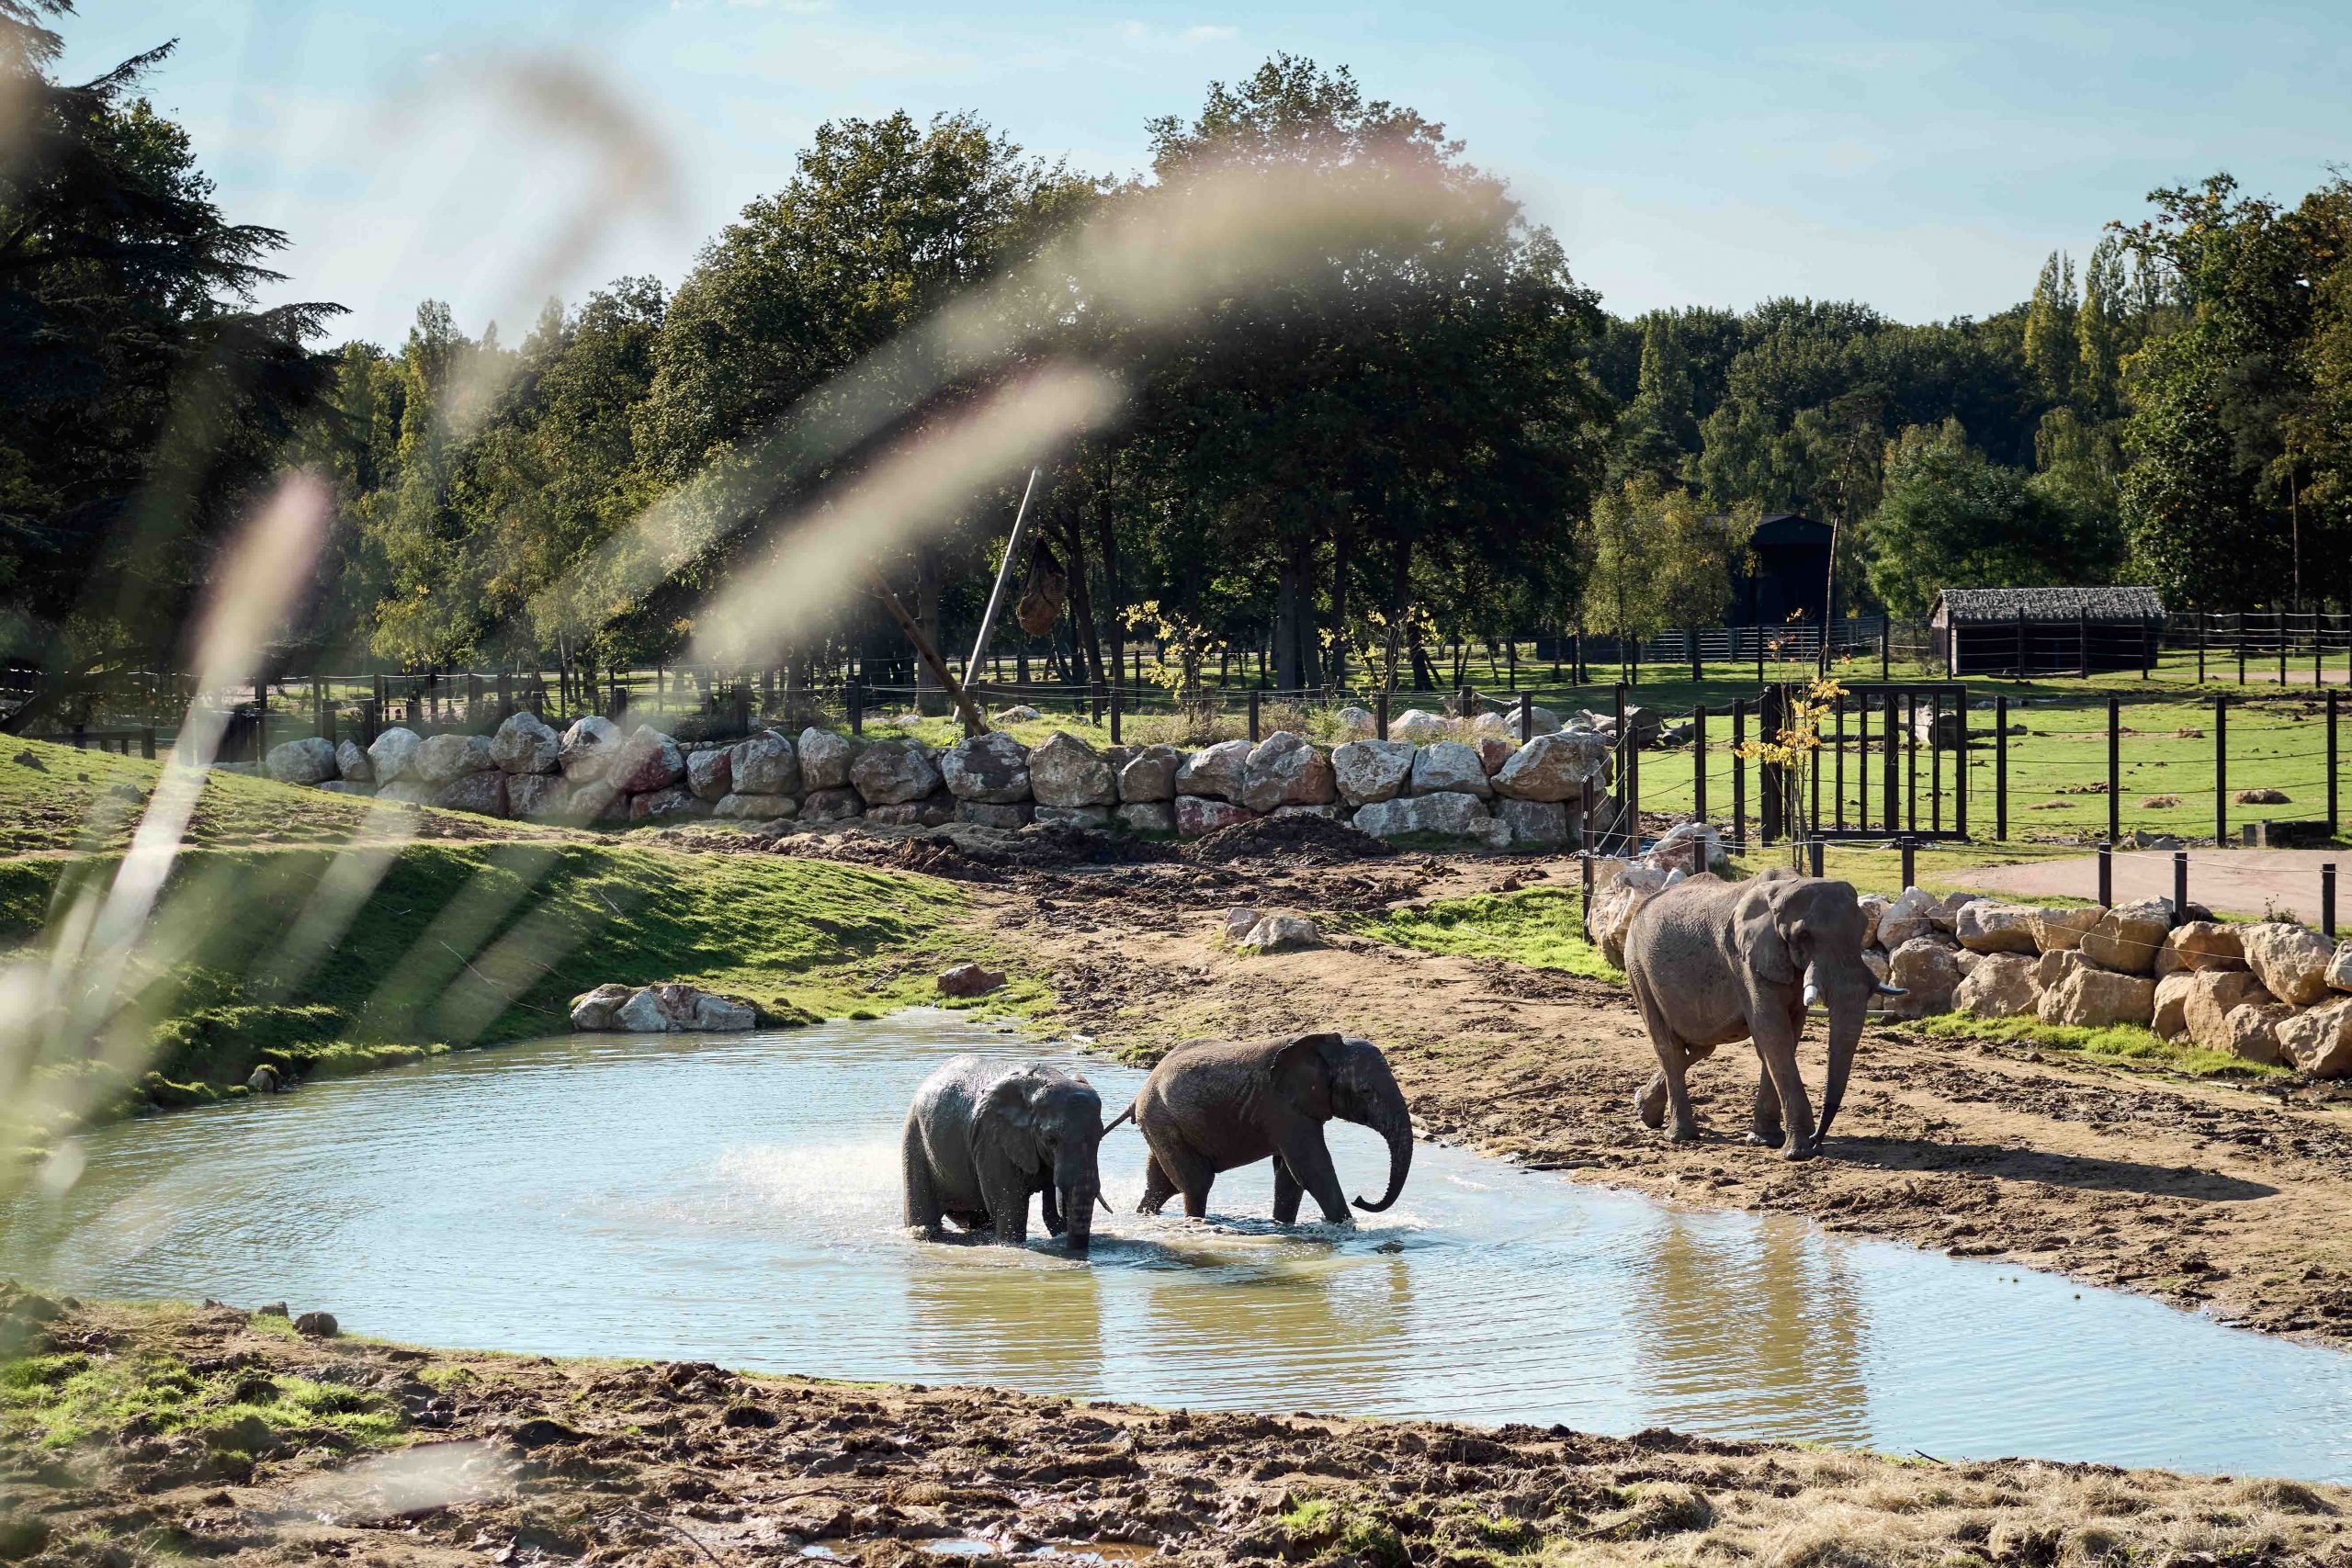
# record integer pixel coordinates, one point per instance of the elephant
(982, 1137)
(1712, 962)
(1214, 1105)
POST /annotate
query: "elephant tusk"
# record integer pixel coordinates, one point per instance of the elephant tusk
(1886, 990)
(1813, 995)
(1106, 1202)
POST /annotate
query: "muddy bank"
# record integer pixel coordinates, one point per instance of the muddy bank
(2223, 1198)
(453, 1458)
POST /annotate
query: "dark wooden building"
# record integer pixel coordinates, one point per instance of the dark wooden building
(1790, 572)
(2049, 631)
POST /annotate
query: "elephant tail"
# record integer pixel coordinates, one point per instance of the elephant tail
(1123, 1116)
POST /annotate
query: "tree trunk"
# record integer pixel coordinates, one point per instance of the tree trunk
(1114, 620)
(1400, 590)
(1082, 603)
(931, 698)
(1338, 673)
(1294, 661)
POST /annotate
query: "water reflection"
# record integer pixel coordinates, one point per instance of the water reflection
(737, 1200)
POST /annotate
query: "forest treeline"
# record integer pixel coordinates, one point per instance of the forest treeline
(1421, 429)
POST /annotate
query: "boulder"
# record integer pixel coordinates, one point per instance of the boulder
(2250, 1032)
(1238, 923)
(587, 749)
(1215, 772)
(1329, 813)
(824, 759)
(681, 1009)
(1149, 776)
(992, 769)
(1554, 767)
(2173, 992)
(892, 773)
(647, 761)
(2055, 965)
(1687, 847)
(595, 800)
(1454, 815)
(1874, 906)
(1147, 817)
(2196, 945)
(1073, 816)
(1449, 767)
(266, 1079)
(1494, 753)
(483, 794)
(1533, 824)
(409, 792)
(711, 774)
(2000, 986)
(2339, 969)
(1199, 814)
(1020, 712)
(317, 1325)
(527, 744)
(1067, 772)
(2054, 929)
(1945, 915)
(391, 757)
(676, 800)
(1284, 770)
(309, 761)
(737, 806)
(1906, 918)
(1366, 771)
(539, 797)
(2213, 995)
(600, 1009)
(1983, 926)
(2128, 937)
(2090, 997)
(2319, 1041)
(1614, 906)
(766, 764)
(2290, 961)
(1418, 727)
(1280, 931)
(932, 811)
(829, 805)
(352, 764)
(967, 980)
(1928, 972)
(442, 758)
(1010, 816)
(1356, 723)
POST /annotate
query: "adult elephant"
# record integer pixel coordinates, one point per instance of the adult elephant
(1712, 962)
(982, 1137)
(1215, 1105)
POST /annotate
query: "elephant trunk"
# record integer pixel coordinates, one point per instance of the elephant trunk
(1078, 1187)
(1389, 1118)
(1847, 1012)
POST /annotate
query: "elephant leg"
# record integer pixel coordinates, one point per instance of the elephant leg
(1765, 1127)
(1008, 1202)
(1287, 1192)
(1673, 1062)
(1156, 1188)
(922, 1210)
(1650, 1104)
(1776, 1043)
(1310, 1162)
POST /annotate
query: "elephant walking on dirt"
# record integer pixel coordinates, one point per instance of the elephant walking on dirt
(1219, 1104)
(1712, 962)
(983, 1137)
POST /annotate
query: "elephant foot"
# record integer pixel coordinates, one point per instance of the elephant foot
(1650, 1105)
(1684, 1133)
(1802, 1150)
(1767, 1137)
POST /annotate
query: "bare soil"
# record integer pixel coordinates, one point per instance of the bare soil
(2236, 882)
(506, 1460)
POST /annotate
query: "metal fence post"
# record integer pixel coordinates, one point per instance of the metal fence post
(1960, 764)
(2200, 648)
(1738, 777)
(1253, 716)
(2001, 769)
(1526, 718)
(2327, 899)
(2180, 888)
(1115, 713)
(1699, 763)
(147, 741)
(2334, 771)
(1885, 649)
(1894, 763)
(2107, 876)
(2114, 768)
(1380, 715)
(853, 698)
(2222, 772)
(1910, 848)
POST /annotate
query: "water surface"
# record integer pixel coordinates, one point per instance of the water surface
(736, 1200)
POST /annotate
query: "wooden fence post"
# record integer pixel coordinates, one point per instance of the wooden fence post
(2334, 771)
(2001, 769)
(1698, 763)
(1253, 716)
(2221, 771)
(2180, 888)
(1380, 715)
(2200, 648)
(1960, 766)
(1738, 776)
(2106, 875)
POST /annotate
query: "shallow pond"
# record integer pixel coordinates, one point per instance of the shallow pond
(736, 1201)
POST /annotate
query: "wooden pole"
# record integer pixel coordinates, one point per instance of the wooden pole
(972, 723)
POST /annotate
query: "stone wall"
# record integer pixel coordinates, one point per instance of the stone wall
(1491, 789)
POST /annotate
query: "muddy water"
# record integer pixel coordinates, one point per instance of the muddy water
(736, 1201)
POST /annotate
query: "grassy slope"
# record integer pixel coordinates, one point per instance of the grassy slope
(1541, 927)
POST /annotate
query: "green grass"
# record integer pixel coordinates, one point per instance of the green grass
(2120, 1044)
(1539, 927)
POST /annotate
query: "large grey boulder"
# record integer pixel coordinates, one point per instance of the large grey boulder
(1147, 817)
(483, 792)
(1218, 772)
(1366, 771)
(1149, 776)
(1418, 727)
(1554, 767)
(1356, 723)
(932, 811)
(2056, 929)
(309, 761)
(1533, 824)
(824, 759)
(595, 800)
(1983, 926)
(1284, 770)
(352, 763)
(1009, 816)
(991, 768)
(671, 1009)
(525, 744)
(830, 805)
(755, 807)
(2216, 994)
(596, 1010)
(892, 773)
(711, 774)
(1455, 814)
(2197, 945)
(1928, 971)
(1906, 918)
(392, 756)
(2092, 998)
(766, 763)
(2319, 1040)
(1446, 767)
(672, 800)
(2000, 987)
(2128, 937)
(1066, 772)
(646, 762)
(1199, 814)
(541, 797)
(2339, 968)
(444, 758)
(2290, 961)
(588, 747)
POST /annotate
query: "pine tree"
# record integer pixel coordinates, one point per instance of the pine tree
(2050, 327)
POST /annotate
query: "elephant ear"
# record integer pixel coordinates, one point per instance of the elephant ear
(1005, 1121)
(1304, 1066)
(1812, 911)
(1764, 937)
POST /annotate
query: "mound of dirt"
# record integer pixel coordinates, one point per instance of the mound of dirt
(965, 853)
(1301, 841)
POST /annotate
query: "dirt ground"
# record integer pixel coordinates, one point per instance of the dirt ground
(2232, 1200)
(2235, 881)
(508, 1460)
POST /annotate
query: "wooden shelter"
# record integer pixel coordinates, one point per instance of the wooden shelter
(2045, 631)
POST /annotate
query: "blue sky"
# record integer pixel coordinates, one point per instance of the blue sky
(1921, 158)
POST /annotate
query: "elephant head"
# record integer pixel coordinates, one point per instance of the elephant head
(1047, 1122)
(1339, 1075)
(1817, 927)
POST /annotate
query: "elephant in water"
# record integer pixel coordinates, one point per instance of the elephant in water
(982, 1137)
(1712, 962)
(1215, 1104)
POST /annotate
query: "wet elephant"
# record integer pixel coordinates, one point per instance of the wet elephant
(1218, 1105)
(1712, 962)
(983, 1137)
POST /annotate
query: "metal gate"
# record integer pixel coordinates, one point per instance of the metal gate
(1891, 762)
